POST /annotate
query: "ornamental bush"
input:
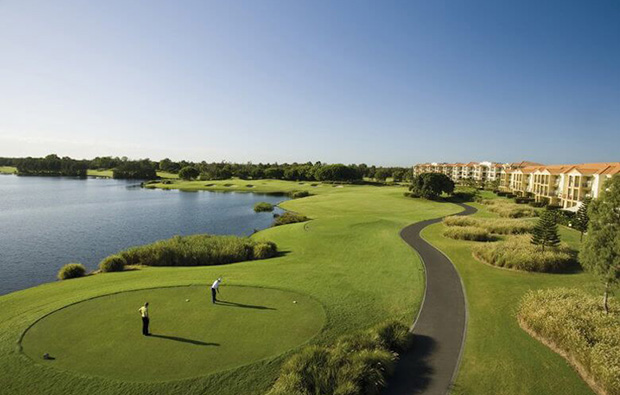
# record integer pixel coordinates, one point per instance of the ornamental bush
(516, 252)
(355, 364)
(576, 325)
(71, 270)
(113, 263)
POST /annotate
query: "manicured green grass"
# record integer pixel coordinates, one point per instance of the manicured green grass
(7, 170)
(499, 357)
(190, 336)
(108, 173)
(349, 258)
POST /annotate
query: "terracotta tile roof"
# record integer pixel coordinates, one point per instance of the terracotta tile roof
(596, 168)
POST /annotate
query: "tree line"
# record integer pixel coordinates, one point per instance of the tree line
(123, 167)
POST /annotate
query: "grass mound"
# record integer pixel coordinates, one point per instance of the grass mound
(198, 250)
(263, 207)
(517, 252)
(574, 324)
(472, 233)
(191, 337)
(507, 209)
(355, 364)
(289, 218)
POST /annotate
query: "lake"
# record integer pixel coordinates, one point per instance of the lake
(46, 222)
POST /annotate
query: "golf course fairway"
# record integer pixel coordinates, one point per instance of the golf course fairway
(190, 335)
(349, 258)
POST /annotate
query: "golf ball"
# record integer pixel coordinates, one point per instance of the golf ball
(294, 301)
(187, 300)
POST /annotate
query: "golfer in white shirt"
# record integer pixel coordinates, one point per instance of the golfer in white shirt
(215, 289)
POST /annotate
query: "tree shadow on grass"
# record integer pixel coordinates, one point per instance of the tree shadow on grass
(184, 340)
(413, 372)
(245, 306)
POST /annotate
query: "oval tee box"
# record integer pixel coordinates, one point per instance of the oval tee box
(103, 336)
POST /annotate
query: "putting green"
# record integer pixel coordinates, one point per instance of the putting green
(103, 337)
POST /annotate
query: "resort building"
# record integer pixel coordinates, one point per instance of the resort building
(557, 185)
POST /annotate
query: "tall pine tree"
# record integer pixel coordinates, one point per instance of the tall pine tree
(582, 218)
(545, 233)
(600, 253)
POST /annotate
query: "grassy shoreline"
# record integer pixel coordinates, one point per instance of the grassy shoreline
(350, 258)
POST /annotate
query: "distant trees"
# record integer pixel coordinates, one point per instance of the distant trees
(189, 173)
(545, 232)
(52, 165)
(144, 169)
(168, 166)
(337, 172)
(600, 253)
(431, 185)
(140, 170)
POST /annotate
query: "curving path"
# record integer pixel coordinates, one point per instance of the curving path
(439, 330)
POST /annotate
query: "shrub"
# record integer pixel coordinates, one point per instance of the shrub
(263, 206)
(197, 250)
(576, 325)
(71, 270)
(289, 218)
(467, 233)
(393, 336)
(538, 204)
(355, 364)
(516, 252)
(113, 263)
(264, 250)
(299, 194)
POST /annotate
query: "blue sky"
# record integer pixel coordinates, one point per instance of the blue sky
(389, 83)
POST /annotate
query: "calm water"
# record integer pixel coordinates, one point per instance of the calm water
(47, 222)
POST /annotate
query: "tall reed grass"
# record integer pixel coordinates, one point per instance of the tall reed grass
(574, 324)
(198, 250)
(517, 252)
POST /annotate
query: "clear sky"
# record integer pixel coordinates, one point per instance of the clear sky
(381, 82)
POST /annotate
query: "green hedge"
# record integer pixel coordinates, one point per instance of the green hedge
(198, 250)
(355, 364)
(517, 252)
(71, 270)
(576, 325)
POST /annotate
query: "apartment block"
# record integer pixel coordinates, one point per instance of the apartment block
(559, 185)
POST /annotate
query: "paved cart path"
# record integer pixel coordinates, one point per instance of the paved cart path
(439, 330)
